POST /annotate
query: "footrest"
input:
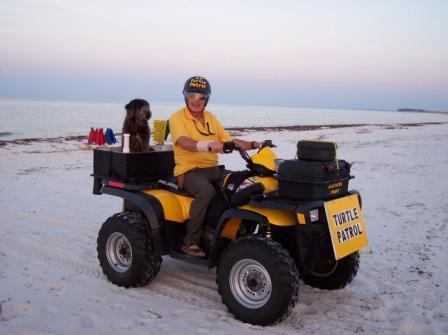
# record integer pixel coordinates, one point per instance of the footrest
(187, 258)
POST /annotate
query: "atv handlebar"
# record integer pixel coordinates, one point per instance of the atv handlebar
(229, 147)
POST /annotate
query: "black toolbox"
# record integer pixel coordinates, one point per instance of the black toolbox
(316, 150)
(313, 180)
(135, 167)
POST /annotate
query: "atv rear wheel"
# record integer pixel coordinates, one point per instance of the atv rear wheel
(258, 280)
(334, 275)
(125, 250)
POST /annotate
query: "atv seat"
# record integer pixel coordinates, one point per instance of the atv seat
(170, 184)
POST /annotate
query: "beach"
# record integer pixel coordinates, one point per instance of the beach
(51, 282)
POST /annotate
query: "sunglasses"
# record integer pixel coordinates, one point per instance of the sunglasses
(202, 133)
(196, 96)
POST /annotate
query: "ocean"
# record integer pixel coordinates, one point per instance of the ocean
(42, 119)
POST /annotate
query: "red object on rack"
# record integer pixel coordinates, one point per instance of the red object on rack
(101, 140)
(91, 139)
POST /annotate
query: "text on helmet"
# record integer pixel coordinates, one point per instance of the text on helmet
(198, 82)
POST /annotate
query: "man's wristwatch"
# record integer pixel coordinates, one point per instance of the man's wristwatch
(253, 144)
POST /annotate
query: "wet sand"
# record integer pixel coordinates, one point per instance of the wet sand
(234, 131)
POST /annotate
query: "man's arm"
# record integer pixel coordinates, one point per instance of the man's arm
(187, 143)
(245, 145)
(194, 146)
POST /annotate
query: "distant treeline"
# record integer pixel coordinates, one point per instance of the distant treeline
(415, 110)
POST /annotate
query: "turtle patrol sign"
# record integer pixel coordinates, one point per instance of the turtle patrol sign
(345, 221)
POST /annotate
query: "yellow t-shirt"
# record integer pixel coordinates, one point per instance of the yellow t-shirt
(182, 123)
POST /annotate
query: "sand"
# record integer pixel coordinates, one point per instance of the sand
(51, 282)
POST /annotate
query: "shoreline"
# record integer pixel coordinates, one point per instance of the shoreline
(234, 131)
(330, 126)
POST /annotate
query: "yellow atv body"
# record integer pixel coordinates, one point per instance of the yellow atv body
(261, 243)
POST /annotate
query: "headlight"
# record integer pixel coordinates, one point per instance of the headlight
(314, 215)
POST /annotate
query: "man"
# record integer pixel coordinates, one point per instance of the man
(198, 137)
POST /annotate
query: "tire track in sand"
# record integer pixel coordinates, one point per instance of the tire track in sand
(165, 284)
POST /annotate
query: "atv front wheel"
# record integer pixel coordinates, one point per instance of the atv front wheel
(334, 275)
(125, 250)
(258, 280)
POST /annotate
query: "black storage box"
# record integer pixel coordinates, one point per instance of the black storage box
(313, 180)
(133, 167)
(316, 150)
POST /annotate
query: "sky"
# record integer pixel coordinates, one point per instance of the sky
(331, 54)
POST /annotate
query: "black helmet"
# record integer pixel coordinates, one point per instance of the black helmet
(197, 85)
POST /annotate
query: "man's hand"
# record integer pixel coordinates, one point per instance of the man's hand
(216, 146)
(256, 145)
(209, 146)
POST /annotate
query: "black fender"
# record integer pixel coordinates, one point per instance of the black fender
(149, 206)
(228, 214)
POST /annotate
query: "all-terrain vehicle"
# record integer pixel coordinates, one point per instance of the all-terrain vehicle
(268, 226)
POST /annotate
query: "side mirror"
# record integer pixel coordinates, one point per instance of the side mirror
(268, 143)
